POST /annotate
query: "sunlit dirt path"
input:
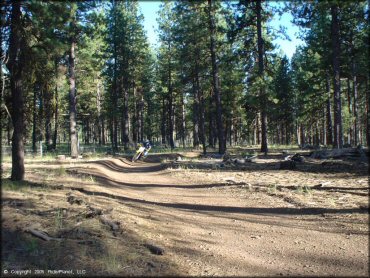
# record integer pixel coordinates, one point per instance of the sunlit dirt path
(208, 231)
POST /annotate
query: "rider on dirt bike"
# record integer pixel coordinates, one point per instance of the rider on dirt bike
(147, 147)
(142, 152)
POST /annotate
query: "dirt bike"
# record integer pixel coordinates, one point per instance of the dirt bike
(141, 153)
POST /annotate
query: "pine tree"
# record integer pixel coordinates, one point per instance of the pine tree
(215, 78)
(15, 65)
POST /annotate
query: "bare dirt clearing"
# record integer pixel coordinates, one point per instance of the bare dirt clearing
(250, 221)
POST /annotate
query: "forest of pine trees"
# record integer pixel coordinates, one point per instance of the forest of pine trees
(84, 72)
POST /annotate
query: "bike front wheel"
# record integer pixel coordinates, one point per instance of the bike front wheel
(136, 157)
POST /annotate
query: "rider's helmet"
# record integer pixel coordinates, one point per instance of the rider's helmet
(146, 143)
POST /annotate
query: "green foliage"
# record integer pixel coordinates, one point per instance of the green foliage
(59, 219)
(128, 90)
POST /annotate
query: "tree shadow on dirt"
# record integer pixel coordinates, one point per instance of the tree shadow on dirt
(22, 251)
(306, 222)
(305, 167)
(227, 209)
(105, 180)
(346, 190)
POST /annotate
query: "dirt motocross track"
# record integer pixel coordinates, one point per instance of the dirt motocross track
(255, 221)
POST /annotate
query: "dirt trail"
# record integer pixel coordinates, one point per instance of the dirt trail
(216, 228)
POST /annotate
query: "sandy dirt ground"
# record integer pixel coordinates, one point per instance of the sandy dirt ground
(253, 221)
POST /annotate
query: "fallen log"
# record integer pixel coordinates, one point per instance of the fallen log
(251, 158)
(297, 158)
(154, 249)
(321, 185)
(239, 161)
(42, 235)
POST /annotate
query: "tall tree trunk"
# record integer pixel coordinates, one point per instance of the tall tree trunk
(317, 134)
(56, 115)
(139, 104)
(355, 105)
(34, 119)
(126, 120)
(367, 110)
(135, 117)
(324, 127)
(258, 129)
(84, 131)
(298, 134)
(72, 101)
(2, 57)
(114, 128)
(115, 125)
(141, 118)
(40, 133)
(211, 116)
(88, 132)
(279, 134)
(236, 130)
(215, 80)
(103, 131)
(16, 60)
(110, 126)
(367, 85)
(255, 131)
(349, 102)
(196, 135)
(98, 107)
(232, 128)
(48, 116)
(338, 129)
(261, 53)
(329, 127)
(200, 95)
(9, 133)
(170, 101)
(302, 135)
(163, 121)
(183, 120)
